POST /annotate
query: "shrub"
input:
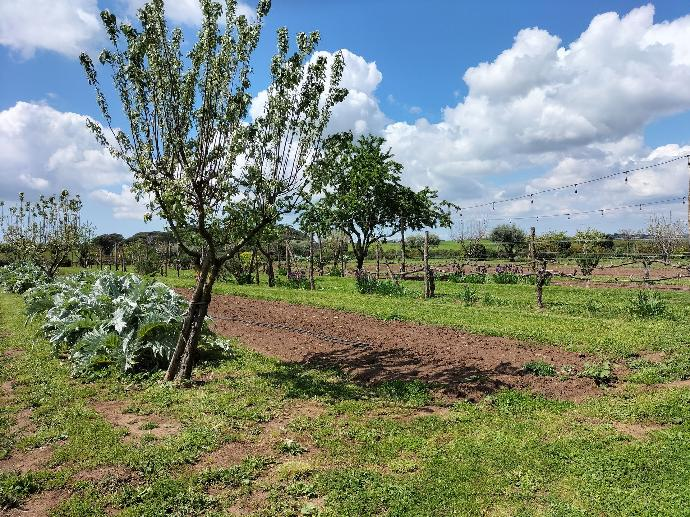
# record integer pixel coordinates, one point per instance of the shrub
(335, 271)
(107, 320)
(508, 274)
(647, 304)
(540, 369)
(471, 278)
(476, 251)
(295, 280)
(18, 277)
(505, 278)
(368, 284)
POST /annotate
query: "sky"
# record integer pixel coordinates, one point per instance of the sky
(482, 101)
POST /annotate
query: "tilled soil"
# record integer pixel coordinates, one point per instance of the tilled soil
(463, 365)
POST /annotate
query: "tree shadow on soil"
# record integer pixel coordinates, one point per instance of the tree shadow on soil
(368, 368)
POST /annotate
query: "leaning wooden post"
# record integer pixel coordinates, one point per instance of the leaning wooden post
(427, 274)
(532, 252)
(378, 260)
(311, 262)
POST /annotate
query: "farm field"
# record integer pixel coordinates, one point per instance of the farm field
(346, 424)
(425, 263)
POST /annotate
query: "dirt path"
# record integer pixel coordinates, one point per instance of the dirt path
(371, 350)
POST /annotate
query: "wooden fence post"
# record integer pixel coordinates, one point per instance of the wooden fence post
(378, 260)
(428, 274)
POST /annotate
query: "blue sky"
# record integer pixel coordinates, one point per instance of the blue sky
(566, 92)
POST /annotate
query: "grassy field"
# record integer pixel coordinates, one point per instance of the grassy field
(312, 443)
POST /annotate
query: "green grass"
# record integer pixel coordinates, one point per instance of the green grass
(582, 319)
(368, 451)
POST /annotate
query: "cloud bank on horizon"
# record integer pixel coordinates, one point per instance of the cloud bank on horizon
(562, 112)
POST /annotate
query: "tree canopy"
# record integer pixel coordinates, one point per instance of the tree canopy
(510, 237)
(361, 193)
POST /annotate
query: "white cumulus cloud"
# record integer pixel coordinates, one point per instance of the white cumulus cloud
(45, 150)
(65, 26)
(123, 203)
(540, 101)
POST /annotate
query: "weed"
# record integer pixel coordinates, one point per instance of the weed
(291, 447)
(602, 372)
(540, 368)
(647, 304)
(15, 487)
(469, 295)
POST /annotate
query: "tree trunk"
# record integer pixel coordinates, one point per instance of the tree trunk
(402, 250)
(360, 260)
(311, 262)
(269, 269)
(182, 361)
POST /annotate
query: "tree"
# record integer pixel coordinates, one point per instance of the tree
(666, 235)
(215, 177)
(470, 240)
(416, 241)
(362, 195)
(553, 244)
(510, 237)
(107, 241)
(590, 245)
(45, 232)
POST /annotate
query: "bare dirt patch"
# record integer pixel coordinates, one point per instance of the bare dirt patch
(39, 504)
(100, 474)
(135, 425)
(272, 433)
(637, 431)
(25, 461)
(466, 366)
(23, 424)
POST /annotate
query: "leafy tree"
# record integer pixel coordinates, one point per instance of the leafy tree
(45, 232)
(510, 237)
(416, 241)
(216, 178)
(590, 245)
(362, 195)
(107, 241)
(553, 244)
